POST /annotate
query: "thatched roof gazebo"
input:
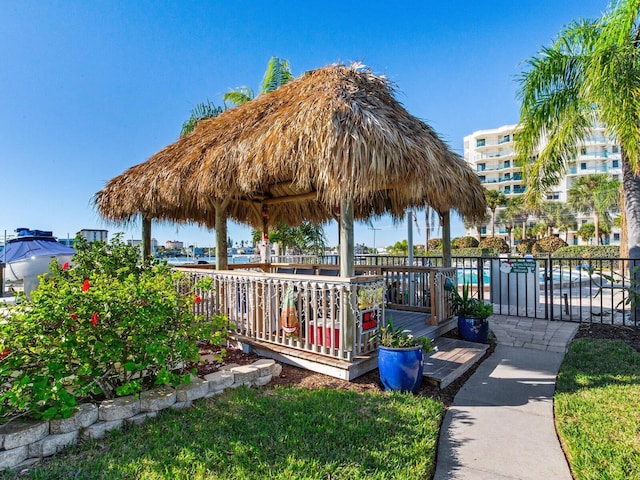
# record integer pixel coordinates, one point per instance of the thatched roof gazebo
(333, 140)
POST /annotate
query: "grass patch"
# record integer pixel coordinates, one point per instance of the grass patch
(283, 433)
(596, 409)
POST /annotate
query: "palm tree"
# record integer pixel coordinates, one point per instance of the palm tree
(511, 215)
(595, 194)
(495, 198)
(590, 73)
(558, 215)
(278, 73)
(477, 224)
(306, 237)
(200, 112)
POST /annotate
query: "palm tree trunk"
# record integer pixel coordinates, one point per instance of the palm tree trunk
(631, 185)
(596, 224)
(493, 222)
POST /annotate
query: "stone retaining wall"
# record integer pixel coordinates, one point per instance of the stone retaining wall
(22, 443)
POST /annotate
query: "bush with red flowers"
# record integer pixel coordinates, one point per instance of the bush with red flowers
(104, 326)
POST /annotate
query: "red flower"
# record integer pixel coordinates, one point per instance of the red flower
(4, 353)
(94, 319)
(74, 316)
(65, 267)
(85, 285)
(197, 299)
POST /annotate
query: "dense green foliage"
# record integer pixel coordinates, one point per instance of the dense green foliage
(94, 328)
(588, 251)
(596, 409)
(435, 245)
(282, 433)
(548, 244)
(496, 243)
(474, 252)
(464, 242)
(525, 245)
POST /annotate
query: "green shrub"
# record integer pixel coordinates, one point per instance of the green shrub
(98, 328)
(525, 246)
(496, 243)
(588, 251)
(464, 242)
(435, 244)
(548, 244)
(474, 252)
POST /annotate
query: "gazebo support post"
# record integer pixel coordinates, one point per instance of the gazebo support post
(221, 238)
(446, 238)
(265, 251)
(146, 238)
(347, 268)
(347, 259)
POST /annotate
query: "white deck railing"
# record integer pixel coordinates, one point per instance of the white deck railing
(335, 316)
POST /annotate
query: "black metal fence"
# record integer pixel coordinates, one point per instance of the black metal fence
(595, 290)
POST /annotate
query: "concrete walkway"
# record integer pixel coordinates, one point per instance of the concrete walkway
(500, 425)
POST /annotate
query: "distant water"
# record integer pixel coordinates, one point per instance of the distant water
(211, 260)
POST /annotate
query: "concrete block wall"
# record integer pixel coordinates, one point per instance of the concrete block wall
(22, 442)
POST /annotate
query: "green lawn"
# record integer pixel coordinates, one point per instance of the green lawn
(282, 433)
(597, 409)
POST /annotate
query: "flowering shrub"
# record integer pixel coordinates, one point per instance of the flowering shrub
(99, 328)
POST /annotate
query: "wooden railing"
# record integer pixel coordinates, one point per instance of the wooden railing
(419, 289)
(335, 316)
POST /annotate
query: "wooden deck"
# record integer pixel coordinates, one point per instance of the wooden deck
(452, 359)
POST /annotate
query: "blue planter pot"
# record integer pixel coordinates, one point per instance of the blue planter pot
(400, 368)
(473, 329)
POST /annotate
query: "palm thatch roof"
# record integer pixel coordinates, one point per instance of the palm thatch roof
(333, 133)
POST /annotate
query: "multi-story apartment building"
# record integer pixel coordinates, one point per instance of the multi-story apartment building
(173, 245)
(491, 154)
(94, 235)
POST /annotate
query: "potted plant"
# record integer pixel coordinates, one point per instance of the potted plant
(400, 358)
(473, 314)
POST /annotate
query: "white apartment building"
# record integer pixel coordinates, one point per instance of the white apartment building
(173, 245)
(491, 154)
(94, 235)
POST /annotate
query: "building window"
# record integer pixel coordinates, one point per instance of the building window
(553, 196)
(507, 163)
(517, 176)
(583, 151)
(583, 166)
(616, 237)
(615, 149)
(483, 231)
(482, 167)
(507, 190)
(480, 142)
(483, 178)
(615, 164)
(504, 139)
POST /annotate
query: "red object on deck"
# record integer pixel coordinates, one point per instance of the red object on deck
(317, 338)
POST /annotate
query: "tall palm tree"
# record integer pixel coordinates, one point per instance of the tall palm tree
(512, 215)
(477, 224)
(595, 194)
(278, 73)
(495, 198)
(558, 215)
(591, 72)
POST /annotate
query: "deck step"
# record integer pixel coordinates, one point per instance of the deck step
(453, 358)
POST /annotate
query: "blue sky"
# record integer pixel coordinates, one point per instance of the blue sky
(88, 89)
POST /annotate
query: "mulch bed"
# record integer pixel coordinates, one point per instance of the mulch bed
(371, 381)
(368, 382)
